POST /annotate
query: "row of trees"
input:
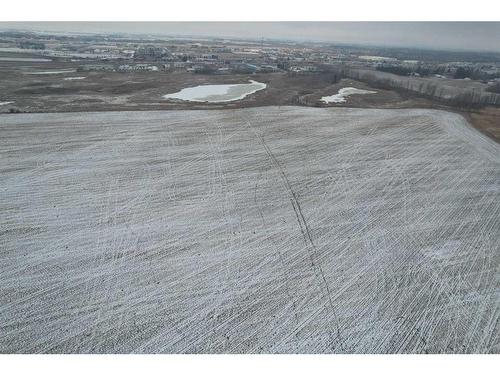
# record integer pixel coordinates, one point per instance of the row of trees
(495, 88)
(460, 73)
(458, 97)
(477, 74)
(404, 71)
(31, 44)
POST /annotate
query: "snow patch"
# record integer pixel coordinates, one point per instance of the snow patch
(73, 78)
(343, 93)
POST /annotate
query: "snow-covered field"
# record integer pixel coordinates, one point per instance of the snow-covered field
(217, 93)
(253, 230)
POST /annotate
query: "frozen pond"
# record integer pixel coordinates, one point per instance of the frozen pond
(52, 72)
(21, 59)
(217, 93)
(343, 93)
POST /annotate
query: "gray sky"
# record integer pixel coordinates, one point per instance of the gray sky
(479, 36)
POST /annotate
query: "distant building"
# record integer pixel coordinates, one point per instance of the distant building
(138, 68)
(243, 68)
(96, 68)
(151, 53)
(129, 53)
(303, 69)
(377, 58)
(204, 69)
(30, 44)
(176, 65)
(268, 68)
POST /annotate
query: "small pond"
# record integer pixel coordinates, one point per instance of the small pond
(217, 93)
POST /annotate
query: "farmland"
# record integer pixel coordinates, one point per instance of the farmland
(274, 230)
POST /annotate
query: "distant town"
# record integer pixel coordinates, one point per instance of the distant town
(221, 56)
(60, 72)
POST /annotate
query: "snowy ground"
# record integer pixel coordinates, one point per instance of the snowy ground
(257, 230)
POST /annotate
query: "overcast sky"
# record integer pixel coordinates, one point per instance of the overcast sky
(480, 36)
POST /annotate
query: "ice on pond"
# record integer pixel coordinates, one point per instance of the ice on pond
(343, 93)
(52, 72)
(24, 59)
(217, 93)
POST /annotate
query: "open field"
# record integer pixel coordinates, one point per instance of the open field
(276, 229)
(139, 91)
(113, 91)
